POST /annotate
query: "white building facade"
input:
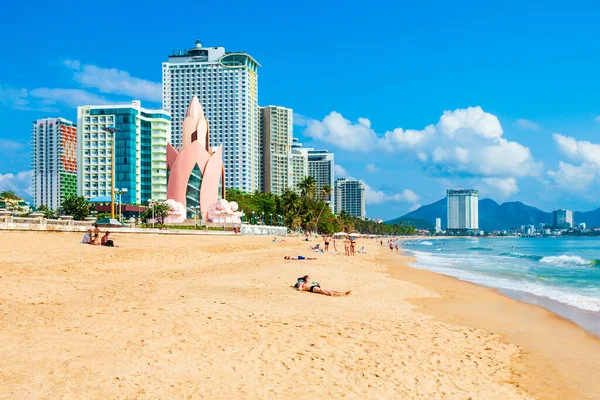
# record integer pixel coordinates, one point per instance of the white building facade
(463, 210)
(53, 161)
(140, 151)
(350, 196)
(297, 165)
(227, 86)
(276, 129)
(438, 225)
(321, 166)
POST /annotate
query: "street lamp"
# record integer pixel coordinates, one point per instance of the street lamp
(262, 219)
(151, 204)
(196, 209)
(253, 220)
(112, 130)
(120, 192)
(271, 219)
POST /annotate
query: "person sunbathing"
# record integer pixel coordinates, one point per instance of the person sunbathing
(304, 284)
(300, 258)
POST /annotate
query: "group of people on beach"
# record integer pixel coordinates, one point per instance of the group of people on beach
(92, 236)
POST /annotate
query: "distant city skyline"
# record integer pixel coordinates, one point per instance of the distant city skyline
(518, 119)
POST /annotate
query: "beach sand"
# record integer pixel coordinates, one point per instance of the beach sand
(216, 317)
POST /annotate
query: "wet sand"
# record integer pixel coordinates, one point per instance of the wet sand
(217, 317)
(559, 359)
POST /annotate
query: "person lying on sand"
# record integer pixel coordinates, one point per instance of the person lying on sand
(300, 258)
(305, 285)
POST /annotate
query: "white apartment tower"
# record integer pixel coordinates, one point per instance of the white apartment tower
(53, 161)
(321, 167)
(276, 127)
(226, 84)
(463, 210)
(297, 165)
(350, 196)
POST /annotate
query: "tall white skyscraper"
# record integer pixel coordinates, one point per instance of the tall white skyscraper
(297, 165)
(276, 128)
(53, 161)
(226, 84)
(350, 196)
(321, 165)
(438, 225)
(463, 210)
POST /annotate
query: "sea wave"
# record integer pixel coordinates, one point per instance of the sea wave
(481, 248)
(566, 260)
(437, 264)
(521, 255)
(426, 243)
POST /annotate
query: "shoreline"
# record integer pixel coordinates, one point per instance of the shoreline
(559, 358)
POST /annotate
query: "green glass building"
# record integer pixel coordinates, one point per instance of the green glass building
(140, 152)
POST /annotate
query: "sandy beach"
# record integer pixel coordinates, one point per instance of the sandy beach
(217, 317)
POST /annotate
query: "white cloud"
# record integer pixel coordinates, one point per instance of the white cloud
(578, 150)
(114, 81)
(372, 168)
(573, 177)
(10, 145)
(340, 172)
(379, 196)
(338, 130)
(502, 187)
(597, 119)
(70, 97)
(414, 207)
(20, 183)
(527, 124)
(13, 98)
(464, 142)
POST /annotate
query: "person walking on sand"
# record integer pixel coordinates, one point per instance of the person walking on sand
(397, 247)
(352, 245)
(304, 284)
(327, 240)
(346, 247)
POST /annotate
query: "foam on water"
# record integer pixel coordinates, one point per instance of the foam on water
(565, 260)
(489, 273)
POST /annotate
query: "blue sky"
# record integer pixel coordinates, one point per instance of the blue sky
(412, 98)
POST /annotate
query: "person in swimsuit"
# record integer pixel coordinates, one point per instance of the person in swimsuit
(327, 240)
(346, 247)
(299, 258)
(96, 236)
(352, 244)
(305, 285)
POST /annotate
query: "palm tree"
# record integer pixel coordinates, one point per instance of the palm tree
(307, 187)
(326, 191)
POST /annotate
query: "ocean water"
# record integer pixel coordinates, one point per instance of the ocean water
(564, 270)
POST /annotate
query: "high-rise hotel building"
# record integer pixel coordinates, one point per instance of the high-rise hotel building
(53, 161)
(463, 210)
(321, 166)
(350, 197)
(297, 165)
(276, 130)
(226, 84)
(140, 151)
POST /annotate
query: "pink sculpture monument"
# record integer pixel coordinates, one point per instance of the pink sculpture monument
(195, 152)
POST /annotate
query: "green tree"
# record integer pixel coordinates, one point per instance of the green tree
(159, 210)
(76, 206)
(48, 212)
(9, 195)
(307, 187)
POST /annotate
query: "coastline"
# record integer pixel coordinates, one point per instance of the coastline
(217, 317)
(559, 358)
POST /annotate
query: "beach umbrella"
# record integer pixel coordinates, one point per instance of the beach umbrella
(340, 234)
(109, 222)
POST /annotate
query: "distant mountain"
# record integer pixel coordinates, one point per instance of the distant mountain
(591, 218)
(416, 222)
(498, 216)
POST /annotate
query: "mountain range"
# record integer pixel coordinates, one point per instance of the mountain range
(493, 215)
